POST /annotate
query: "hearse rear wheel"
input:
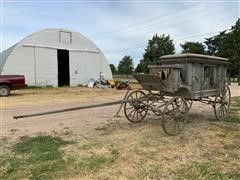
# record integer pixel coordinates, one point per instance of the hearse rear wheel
(174, 116)
(222, 103)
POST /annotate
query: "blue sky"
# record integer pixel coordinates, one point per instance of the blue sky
(119, 28)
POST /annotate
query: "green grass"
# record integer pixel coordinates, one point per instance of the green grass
(41, 157)
(233, 118)
(95, 161)
(48, 170)
(145, 171)
(205, 171)
(234, 110)
(230, 146)
(221, 135)
(39, 144)
(37, 157)
(237, 101)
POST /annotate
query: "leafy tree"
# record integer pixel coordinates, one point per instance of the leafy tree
(125, 66)
(227, 44)
(140, 67)
(157, 47)
(113, 68)
(193, 47)
(215, 42)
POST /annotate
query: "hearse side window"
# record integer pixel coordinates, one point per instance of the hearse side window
(163, 73)
(208, 77)
(183, 75)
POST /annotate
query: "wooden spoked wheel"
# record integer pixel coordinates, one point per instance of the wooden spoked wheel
(135, 111)
(189, 104)
(173, 120)
(222, 103)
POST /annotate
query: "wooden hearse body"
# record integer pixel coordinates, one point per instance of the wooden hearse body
(191, 76)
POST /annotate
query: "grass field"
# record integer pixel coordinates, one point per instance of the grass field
(208, 149)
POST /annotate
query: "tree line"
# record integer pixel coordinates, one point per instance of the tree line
(225, 44)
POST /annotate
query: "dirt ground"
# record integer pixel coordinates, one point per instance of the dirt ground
(37, 100)
(203, 140)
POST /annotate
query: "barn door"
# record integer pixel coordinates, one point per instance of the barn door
(63, 68)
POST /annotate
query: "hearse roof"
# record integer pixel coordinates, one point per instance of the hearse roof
(191, 57)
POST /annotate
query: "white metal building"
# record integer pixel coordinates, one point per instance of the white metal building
(56, 57)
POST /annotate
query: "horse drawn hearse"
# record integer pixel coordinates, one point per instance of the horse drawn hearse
(170, 89)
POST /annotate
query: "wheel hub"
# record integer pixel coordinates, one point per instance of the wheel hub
(3, 91)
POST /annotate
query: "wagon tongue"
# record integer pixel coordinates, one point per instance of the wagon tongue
(79, 108)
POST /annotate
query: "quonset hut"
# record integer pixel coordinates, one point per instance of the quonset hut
(56, 57)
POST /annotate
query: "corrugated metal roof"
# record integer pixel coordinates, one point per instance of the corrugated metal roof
(50, 38)
(4, 55)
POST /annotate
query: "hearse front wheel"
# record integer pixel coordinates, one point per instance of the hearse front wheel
(135, 111)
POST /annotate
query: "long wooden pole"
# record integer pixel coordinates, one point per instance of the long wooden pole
(78, 108)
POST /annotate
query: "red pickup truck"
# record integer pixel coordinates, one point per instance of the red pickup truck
(11, 82)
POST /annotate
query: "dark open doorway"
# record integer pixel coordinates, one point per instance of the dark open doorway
(63, 68)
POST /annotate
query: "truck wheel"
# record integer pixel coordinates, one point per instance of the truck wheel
(4, 90)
